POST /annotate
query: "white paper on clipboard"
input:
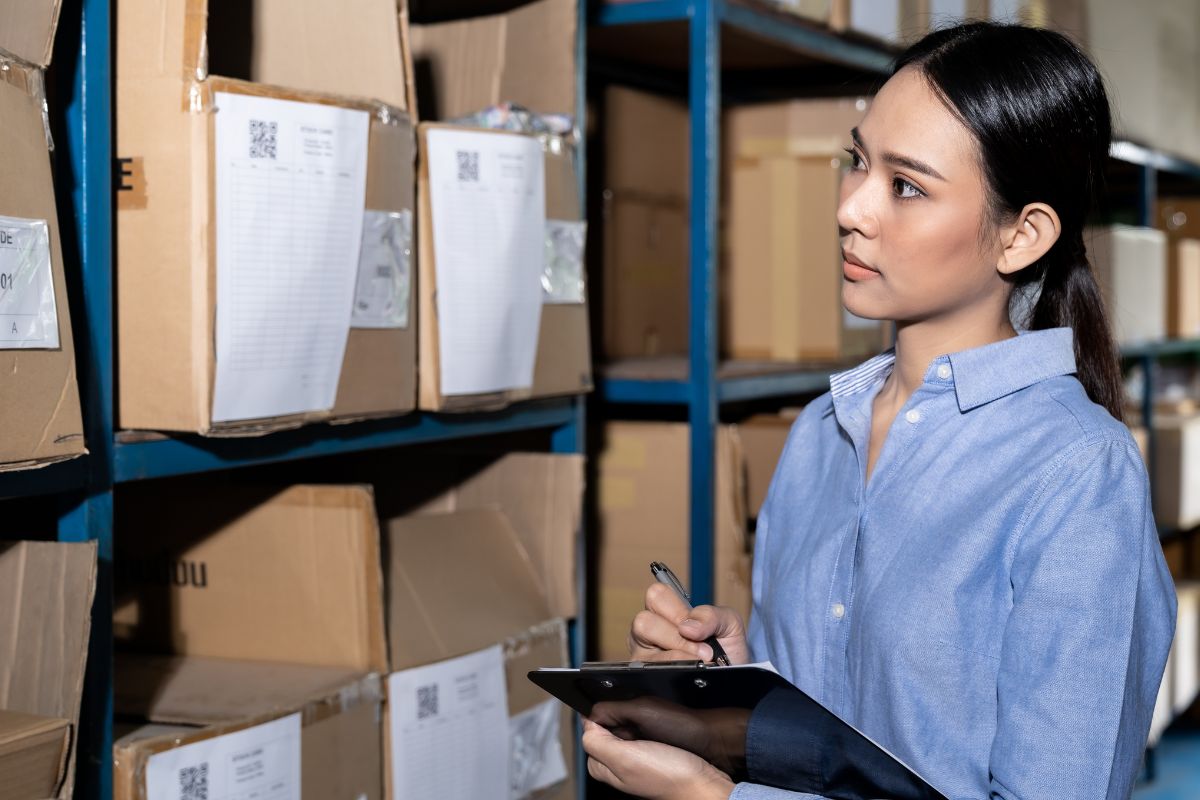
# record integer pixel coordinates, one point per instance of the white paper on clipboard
(488, 198)
(290, 185)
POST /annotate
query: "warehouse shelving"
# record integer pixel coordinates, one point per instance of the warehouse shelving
(82, 489)
(692, 47)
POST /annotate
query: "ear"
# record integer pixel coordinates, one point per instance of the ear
(1029, 237)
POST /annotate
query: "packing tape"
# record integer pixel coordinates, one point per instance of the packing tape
(30, 79)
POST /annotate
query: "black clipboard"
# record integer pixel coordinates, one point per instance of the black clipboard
(663, 701)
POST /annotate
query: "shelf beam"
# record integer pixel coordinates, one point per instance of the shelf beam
(187, 454)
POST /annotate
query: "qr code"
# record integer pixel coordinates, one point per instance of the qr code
(193, 782)
(468, 165)
(427, 701)
(262, 138)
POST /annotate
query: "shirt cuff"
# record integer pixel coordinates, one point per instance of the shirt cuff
(754, 791)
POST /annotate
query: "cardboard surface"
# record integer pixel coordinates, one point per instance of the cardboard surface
(46, 592)
(41, 422)
(461, 582)
(190, 699)
(166, 238)
(784, 281)
(1179, 218)
(33, 755)
(27, 29)
(540, 494)
(1177, 471)
(763, 437)
(1131, 268)
(287, 575)
(525, 56)
(643, 517)
(563, 361)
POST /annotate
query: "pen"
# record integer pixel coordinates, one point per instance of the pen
(663, 574)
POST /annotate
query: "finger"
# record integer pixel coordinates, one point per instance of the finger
(706, 621)
(602, 773)
(651, 634)
(662, 600)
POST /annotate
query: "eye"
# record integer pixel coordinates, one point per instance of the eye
(905, 190)
(856, 162)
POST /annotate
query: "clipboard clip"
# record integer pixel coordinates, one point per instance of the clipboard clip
(623, 666)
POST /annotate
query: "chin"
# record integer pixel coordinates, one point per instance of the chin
(859, 306)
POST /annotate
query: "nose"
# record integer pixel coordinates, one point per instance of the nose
(856, 211)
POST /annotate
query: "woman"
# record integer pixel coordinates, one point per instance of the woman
(957, 554)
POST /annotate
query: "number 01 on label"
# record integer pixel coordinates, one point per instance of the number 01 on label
(28, 312)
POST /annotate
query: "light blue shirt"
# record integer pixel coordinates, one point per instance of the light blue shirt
(993, 606)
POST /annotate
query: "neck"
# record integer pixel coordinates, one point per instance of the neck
(919, 343)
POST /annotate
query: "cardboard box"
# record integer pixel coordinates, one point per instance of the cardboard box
(1185, 673)
(562, 357)
(524, 54)
(490, 597)
(643, 517)
(42, 422)
(1131, 268)
(646, 226)
(33, 754)
(784, 281)
(194, 700)
(288, 575)
(541, 495)
(763, 437)
(1179, 218)
(1177, 471)
(166, 237)
(46, 592)
(248, 606)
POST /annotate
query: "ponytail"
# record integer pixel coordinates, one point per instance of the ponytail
(1070, 297)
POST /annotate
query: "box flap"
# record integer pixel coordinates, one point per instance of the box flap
(201, 691)
(456, 583)
(541, 494)
(46, 591)
(27, 29)
(524, 56)
(251, 573)
(33, 754)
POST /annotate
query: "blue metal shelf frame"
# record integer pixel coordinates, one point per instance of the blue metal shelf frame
(84, 486)
(702, 392)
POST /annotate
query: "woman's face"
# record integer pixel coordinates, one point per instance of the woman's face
(912, 211)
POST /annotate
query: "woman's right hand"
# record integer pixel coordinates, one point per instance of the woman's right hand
(667, 631)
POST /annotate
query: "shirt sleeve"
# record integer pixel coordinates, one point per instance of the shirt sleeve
(1087, 639)
(754, 791)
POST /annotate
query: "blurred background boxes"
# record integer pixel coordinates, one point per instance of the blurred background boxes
(166, 238)
(41, 423)
(1131, 268)
(46, 592)
(763, 437)
(642, 498)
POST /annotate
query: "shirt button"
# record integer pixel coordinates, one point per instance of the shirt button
(913, 416)
(839, 611)
(944, 371)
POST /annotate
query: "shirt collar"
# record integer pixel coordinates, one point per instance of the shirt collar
(982, 374)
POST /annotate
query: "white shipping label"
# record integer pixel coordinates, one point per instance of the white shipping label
(381, 294)
(449, 728)
(488, 198)
(562, 278)
(537, 753)
(258, 763)
(28, 312)
(290, 185)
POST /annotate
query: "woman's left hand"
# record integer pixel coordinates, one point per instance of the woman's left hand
(651, 770)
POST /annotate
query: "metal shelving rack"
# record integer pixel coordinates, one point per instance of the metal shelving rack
(82, 489)
(766, 38)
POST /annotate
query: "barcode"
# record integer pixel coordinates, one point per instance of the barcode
(262, 138)
(193, 782)
(427, 701)
(468, 165)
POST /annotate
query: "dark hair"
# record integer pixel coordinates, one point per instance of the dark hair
(1036, 105)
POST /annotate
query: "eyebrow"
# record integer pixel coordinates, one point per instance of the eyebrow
(899, 160)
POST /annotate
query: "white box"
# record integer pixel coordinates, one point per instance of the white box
(1131, 267)
(1185, 678)
(1177, 471)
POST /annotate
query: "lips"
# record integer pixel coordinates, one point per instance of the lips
(854, 269)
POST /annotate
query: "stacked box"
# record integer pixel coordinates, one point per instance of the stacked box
(1131, 267)
(330, 332)
(41, 423)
